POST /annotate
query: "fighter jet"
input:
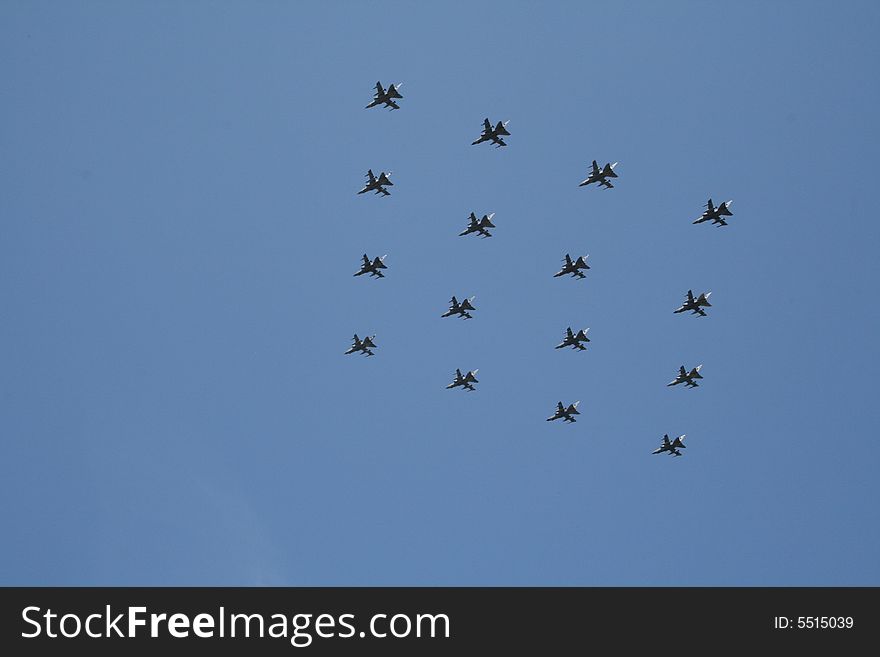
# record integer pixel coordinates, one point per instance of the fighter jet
(573, 339)
(565, 413)
(694, 304)
(387, 97)
(687, 378)
(493, 134)
(671, 447)
(372, 267)
(464, 380)
(479, 226)
(377, 185)
(460, 309)
(715, 215)
(601, 176)
(573, 267)
(362, 345)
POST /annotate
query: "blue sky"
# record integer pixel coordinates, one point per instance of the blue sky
(180, 228)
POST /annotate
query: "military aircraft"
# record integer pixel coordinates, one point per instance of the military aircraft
(573, 339)
(565, 413)
(460, 309)
(372, 267)
(694, 304)
(479, 226)
(671, 447)
(377, 185)
(386, 97)
(464, 380)
(493, 134)
(687, 378)
(715, 215)
(573, 267)
(601, 176)
(362, 345)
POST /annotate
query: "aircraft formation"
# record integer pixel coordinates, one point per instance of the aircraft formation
(576, 267)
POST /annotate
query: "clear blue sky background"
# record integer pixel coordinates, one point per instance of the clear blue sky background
(180, 226)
